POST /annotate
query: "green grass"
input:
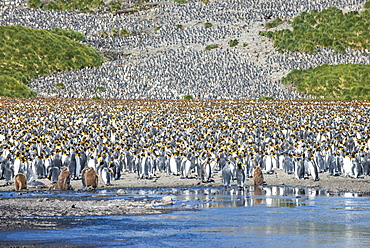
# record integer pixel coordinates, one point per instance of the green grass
(180, 1)
(367, 5)
(233, 43)
(23, 58)
(208, 25)
(209, 47)
(188, 97)
(340, 82)
(35, 4)
(68, 5)
(274, 23)
(60, 86)
(328, 28)
(114, 6)
(11, 87)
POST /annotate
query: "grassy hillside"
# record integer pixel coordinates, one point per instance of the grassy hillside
(342, 82)
(22, 57)
(328, 28)
(58, 5)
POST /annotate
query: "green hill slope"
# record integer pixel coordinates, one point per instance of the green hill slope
(27, 53)
(342, 82)
(328, 28)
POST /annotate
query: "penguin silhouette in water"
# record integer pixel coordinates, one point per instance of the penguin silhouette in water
(257, 176)
(20, 181)
(89, 177)
(64, 179)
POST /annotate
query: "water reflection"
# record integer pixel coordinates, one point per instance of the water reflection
(272, 196)
(266, 216)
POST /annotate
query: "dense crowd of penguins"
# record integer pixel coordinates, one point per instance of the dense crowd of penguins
(162, 61)
(82, 139)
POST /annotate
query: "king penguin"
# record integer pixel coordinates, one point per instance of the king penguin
(312, 168)
(53, 174)
(240, 174)
(107, 174)
(205, 172)
(227, 175)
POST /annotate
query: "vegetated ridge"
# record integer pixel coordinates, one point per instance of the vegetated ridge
(27, 53)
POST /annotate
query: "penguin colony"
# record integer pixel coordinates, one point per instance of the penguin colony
(171, 62)
(79, 139)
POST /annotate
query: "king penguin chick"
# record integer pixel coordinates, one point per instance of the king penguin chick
(89, 177)
(20, 181)
(64, 179)
(257, 176)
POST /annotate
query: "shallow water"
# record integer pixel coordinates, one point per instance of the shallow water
(217, 217)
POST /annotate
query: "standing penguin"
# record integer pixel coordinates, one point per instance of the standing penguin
(64, 179)
(78, 166)
(240, 174)
(89, 177)
(205, 173)
(17, 165)
(72, 165)
(185, 168)
(347, 166)
(141, 166)
(288, 164)
(299, 170)
(148, 167)
(173, 165)
(8, 171)
(40, 167)
(313, 170)
(116, 168)
(227, 175)
(107, 175)
(53, 174)
(20, 181)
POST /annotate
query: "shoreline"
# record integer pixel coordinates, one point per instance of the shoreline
(162, 180)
